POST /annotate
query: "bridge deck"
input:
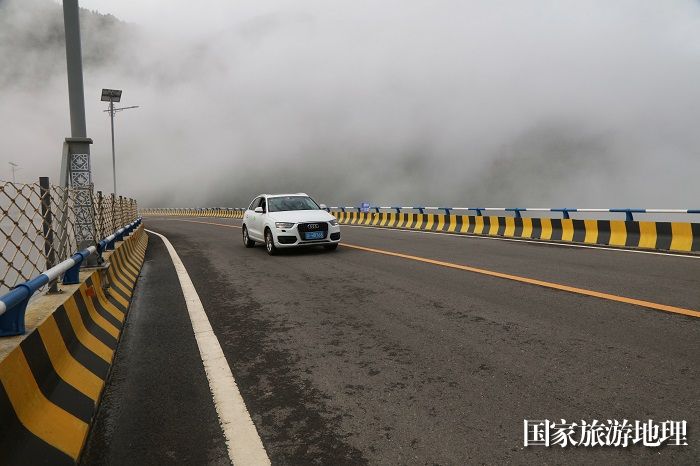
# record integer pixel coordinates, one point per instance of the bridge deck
(355, 356)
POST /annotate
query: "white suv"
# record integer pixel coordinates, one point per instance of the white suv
(287, 221)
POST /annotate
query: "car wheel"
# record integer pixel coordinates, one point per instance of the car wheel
(269, 243)
(331, 247)
(247, 242)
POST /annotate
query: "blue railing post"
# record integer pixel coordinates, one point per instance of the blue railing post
(120, 235)
(628, 213)
(447, 210)
(100, 248)
(478, 210)
(564, 212)
(12, 321)
(516, 211)
(72, 275)
(420, 209)
(398, 209)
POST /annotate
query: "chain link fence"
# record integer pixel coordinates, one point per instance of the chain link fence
(37, 226)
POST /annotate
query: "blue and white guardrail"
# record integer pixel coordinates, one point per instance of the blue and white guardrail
(14, 304)
(565, 211)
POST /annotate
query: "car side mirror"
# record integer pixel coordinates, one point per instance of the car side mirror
(258, 210)
(323, 206)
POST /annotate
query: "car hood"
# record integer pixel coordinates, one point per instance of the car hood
(298, 216)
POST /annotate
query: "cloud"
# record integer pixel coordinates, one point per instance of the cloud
(444, 102)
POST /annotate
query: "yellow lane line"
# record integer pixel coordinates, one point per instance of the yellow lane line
(532, 281)
(517, 278)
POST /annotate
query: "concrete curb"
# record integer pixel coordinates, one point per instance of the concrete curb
(51, 378)
(664, 236)
(658, 236)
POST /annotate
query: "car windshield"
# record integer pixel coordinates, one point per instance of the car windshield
(283, 203)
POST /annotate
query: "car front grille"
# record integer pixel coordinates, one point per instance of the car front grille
(312, 226)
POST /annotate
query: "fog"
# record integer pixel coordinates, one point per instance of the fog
(495, 103)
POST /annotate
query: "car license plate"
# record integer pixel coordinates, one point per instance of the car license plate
(313, 235)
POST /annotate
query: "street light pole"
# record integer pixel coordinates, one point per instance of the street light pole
(112, 96)
(14, 168)
(76, 170)
(114, 159)
(74, 61)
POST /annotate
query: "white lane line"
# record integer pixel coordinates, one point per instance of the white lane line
(242, 439)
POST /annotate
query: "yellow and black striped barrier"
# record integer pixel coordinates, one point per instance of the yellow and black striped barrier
(665, 236)
(219, 213)
(51, 382)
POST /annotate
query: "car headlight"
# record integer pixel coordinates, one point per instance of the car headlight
(333, 222)
(283, 225)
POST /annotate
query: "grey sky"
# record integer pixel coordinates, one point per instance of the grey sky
(588, 103)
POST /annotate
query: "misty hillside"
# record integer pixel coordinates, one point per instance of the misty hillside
(32, 45)
(542, 103)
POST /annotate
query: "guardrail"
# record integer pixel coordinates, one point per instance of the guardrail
(539, 224)
(14, 304)
(53, 377)
(237, 212)
(680, 236)
(517, 211)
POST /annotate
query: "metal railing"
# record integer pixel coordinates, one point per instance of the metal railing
(517, 212)
(14, 304)
(37, 226)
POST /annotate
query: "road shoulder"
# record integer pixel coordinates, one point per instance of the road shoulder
(157, 407)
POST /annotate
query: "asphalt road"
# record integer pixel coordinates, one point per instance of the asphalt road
(353, 357)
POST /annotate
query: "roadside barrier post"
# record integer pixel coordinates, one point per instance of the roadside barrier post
(564, 212)
(629, 217)
(15, 304)
(516, 211)
(72, 275)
